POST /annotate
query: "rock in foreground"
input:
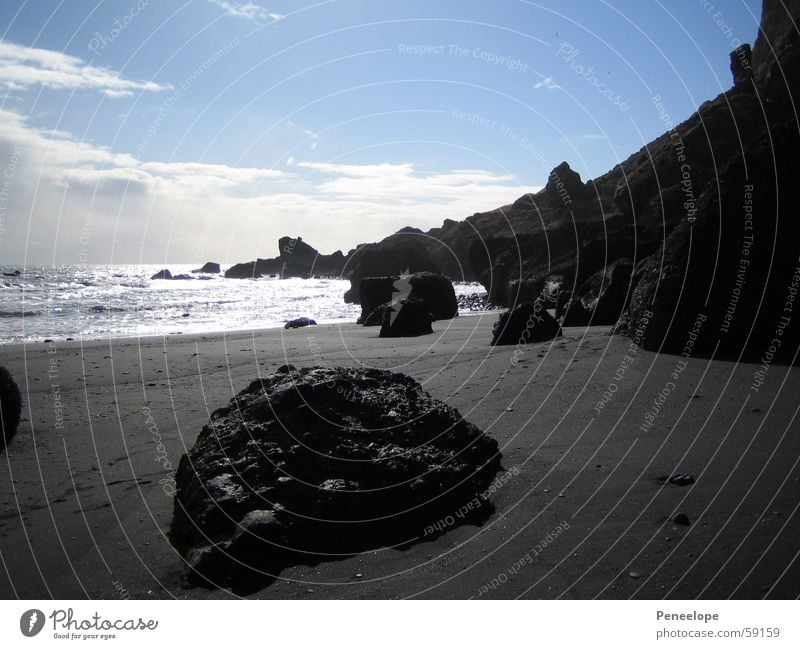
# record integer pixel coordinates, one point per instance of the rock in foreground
(10, 407)
(528, 323)
(315, 463)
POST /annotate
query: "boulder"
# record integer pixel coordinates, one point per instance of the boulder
(299, 322)
(162, 274)
(313, 464)
(529, 322)
(602, 298)
(10, 407)
(406, 318)
(435, 290)
(209, 267)
(181, 276)
(574, 314)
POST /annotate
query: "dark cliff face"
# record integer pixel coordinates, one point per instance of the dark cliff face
(724, 282)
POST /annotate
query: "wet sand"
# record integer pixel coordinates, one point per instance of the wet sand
(87, 482)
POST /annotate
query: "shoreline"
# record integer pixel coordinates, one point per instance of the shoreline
(150, 338)
(86, 506)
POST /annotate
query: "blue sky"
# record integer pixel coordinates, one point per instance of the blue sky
(149, 131)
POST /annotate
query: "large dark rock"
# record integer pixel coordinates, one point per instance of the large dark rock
(529, 322)
(401, 254)
(406, 318)
(602, 298)
(162, 274)
(435, 290)
(209, 267)
(10, 407)
(318, 463)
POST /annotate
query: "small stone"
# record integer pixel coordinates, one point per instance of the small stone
(682, 519)
(634, 575)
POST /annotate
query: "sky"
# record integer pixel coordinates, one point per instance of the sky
(144, 131)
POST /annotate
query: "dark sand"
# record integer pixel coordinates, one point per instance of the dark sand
(83, 512)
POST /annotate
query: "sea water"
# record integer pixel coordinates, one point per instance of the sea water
(110, 301)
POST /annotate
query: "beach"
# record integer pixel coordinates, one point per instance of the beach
(588, 425)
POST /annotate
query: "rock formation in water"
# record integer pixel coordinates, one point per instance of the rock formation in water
(210, 267)
(312, 464)
(296, 258)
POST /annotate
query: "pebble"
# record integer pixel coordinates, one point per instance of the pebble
(681, 519)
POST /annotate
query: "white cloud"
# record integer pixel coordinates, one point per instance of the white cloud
(547, 83)
(154, 212)
(247, 10)
(23, 67)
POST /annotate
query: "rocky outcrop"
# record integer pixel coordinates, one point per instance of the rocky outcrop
(297, 323)
(741, 64)
(527, 323)
(209, 267)
(435, 290)
(10, 407)
(406, 318)
(401, 254)
(162, 274)
(296, 258)
(725, 280)
(313, 464)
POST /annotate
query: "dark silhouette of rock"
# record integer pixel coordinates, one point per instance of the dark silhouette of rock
(375, 318)
(255, 269)
(209, 267)
(527, 323)
(15, 273)
(299, 322)
(682, 519)
(602, 298)
(406, 318)
(401, 254)
(318, 463)
(181, 276)
(722, 280)
(574, 314)
(435, 290)
(162, 274)
(741, 64)
(10, 407)
(296, 258)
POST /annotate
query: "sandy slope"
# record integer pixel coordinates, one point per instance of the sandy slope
(85, 507)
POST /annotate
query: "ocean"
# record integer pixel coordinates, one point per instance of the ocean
(86, 302)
